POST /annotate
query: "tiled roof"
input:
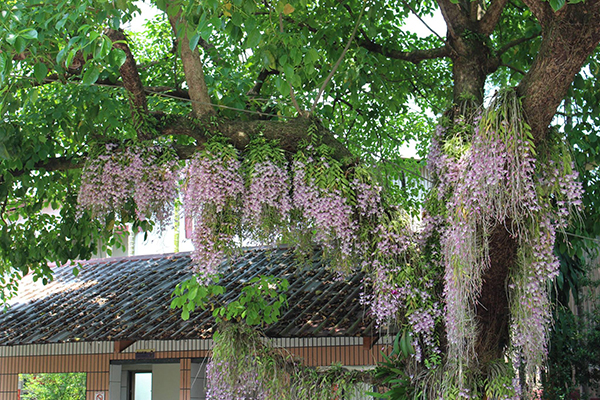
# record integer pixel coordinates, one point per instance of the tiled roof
(129, 298)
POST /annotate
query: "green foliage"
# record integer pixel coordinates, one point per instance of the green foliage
(573, 355)
(575, 340)
(392, 371)
(259, 302)
(241, 352)
(56, 386)
(57, 103)
(189, 295)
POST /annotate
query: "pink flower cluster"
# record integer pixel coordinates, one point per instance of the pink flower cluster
(368, 198)
(211, 195)
(222, 385)
(117, 177)
(105, 183)
(326, 212)
(422, 323)
(497, 181)
(268, 203)
(156, 187)
(387, 298)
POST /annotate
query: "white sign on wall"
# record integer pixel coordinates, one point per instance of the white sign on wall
(99, 396)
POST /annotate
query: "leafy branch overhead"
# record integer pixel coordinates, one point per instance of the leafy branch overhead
(284, 121)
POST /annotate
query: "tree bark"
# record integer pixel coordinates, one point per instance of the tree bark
(192, 68)
(132, 83)
(289, 134)
(569, 37)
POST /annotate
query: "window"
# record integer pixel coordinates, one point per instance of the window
(141, 385)
(65, 386)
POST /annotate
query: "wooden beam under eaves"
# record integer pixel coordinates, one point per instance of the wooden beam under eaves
(121, 345)
(369, 342)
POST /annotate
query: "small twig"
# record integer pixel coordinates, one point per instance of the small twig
(339, 61)
(421, 19)
(520, 71)
(516, 42)
(4, 209)
(292, 94)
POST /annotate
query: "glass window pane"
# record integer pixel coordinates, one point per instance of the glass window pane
(143, 386)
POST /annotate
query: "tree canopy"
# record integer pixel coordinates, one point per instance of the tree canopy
(95, 122)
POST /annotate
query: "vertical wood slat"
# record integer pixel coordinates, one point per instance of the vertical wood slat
(314, 352)
(185, 370)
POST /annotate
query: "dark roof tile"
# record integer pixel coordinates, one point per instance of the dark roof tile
(129, 298)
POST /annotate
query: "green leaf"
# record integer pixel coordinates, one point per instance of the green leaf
(91, 75)
(10, 38)
(253, 39)
(61, 22)
(237, 19)
(20, 44)
(3, 152)
(29, 33)
(117, 58)
(312, 56)
(40, 71)
(194, 40)
(556, 4)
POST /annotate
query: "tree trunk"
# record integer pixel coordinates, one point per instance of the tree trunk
(471, 66)
(569, 39)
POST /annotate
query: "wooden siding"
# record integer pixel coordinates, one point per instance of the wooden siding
(20, 360)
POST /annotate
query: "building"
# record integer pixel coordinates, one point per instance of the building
(113, 322)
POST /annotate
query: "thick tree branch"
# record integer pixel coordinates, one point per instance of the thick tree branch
(456, 19)
(415, 56)
(51, 164)
(289, 135)
(488, 23)
(168, 91)
(149, 90)
(131, 82)
(515, 42)
(260, 80)
(192, 67)
(569, 37)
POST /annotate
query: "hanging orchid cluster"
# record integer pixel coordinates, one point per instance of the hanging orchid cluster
(402, 283)
(496, 179)
(138, 180)
(270, 199)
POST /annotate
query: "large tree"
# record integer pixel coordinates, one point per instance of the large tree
(344, 72)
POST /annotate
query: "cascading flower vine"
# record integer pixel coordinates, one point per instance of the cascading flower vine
(211, 196)
(156, 185)
(145, 177)
(268, 203)
(496, 180)
(319, 189)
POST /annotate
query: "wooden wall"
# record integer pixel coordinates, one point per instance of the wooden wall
(95, 361)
